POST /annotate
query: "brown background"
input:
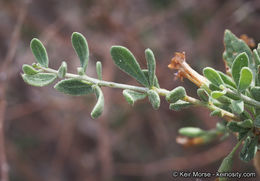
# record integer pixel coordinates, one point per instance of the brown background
(51, 136)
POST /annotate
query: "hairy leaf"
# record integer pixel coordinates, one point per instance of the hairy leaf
(246, 77)
(240, 61)
(40, 79)
(133, 96)
(227, 80)
(74, 87)
(39, 52)
(237, 106)
(255, 91)
(176, 94)
(80, 46)
(249, 149)
(180, 104)
(99, 107)
(191, 132)
(62, 70)
(126, 61)
(213, 76)
(99, 70)
(154, 99)
(29, 70)
(151, 64)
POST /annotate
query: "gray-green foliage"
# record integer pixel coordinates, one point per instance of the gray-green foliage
(234, 95)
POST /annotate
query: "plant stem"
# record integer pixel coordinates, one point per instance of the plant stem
(246, 99)
(160, 91)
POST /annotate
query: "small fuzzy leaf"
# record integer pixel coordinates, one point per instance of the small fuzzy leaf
(240, 61)
(40, 79)
(213, 76)
(233, 47)
(62, 70)
(151, 64)
(156, 83)
(99, 107)
(255, 91)
(29, 70)
(237, 106)
(74, 87)
(133, 96)
(256, 56)
(227, 80)
(80, 46)
(191, 132)
(249, 149)
(246, 77)
(39, 52)
(217, 94)
(204, 96)
(235, 127)
(257, 121)
(99, 70)
(126, 61)
(180, 104)
(176, 94)
(80, 71)
(154, 99)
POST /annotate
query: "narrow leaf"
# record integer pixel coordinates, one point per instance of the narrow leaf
(39, 52)
(176, 94)
(40, 79)
(240, 62)
(99, 107)
(154, 99)
(213, 76)
(29, 70)
(237, 106)
(217, 94)
(133, 96)
(256, 56)
(99, 70)
(204, 96)
(179, 105)
(62, 70)
(151, 64)
(126, 61)
(156, 83)
(74, 87)
(191, 132)
(80, 45)
(227, 80)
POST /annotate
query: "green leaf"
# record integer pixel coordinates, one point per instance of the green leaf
(176, 94)
(156, 83)
(217, 94)
(255, 91)
(99, 107)
(126, 61)
(256, 56)
(62, 70)
(249, 149)
(257, 121)
(80, 46)
(213, 76)
(154, 99)
(237, 106)
(233, 47)
(99, 70)
(227, 80)
(74, 87)
(245, 80)
(39, 52)
(204, 96)
(191, 132)
(29, 70)
(180, 104)
(216, 112)
(240, 61)
(80, 71)
(40, 79)
(226, 166)
(133, 96)
(151, 64)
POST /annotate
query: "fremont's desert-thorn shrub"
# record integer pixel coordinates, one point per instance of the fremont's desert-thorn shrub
(234, 96)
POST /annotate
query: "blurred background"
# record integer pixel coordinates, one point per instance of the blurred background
(51, 136)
